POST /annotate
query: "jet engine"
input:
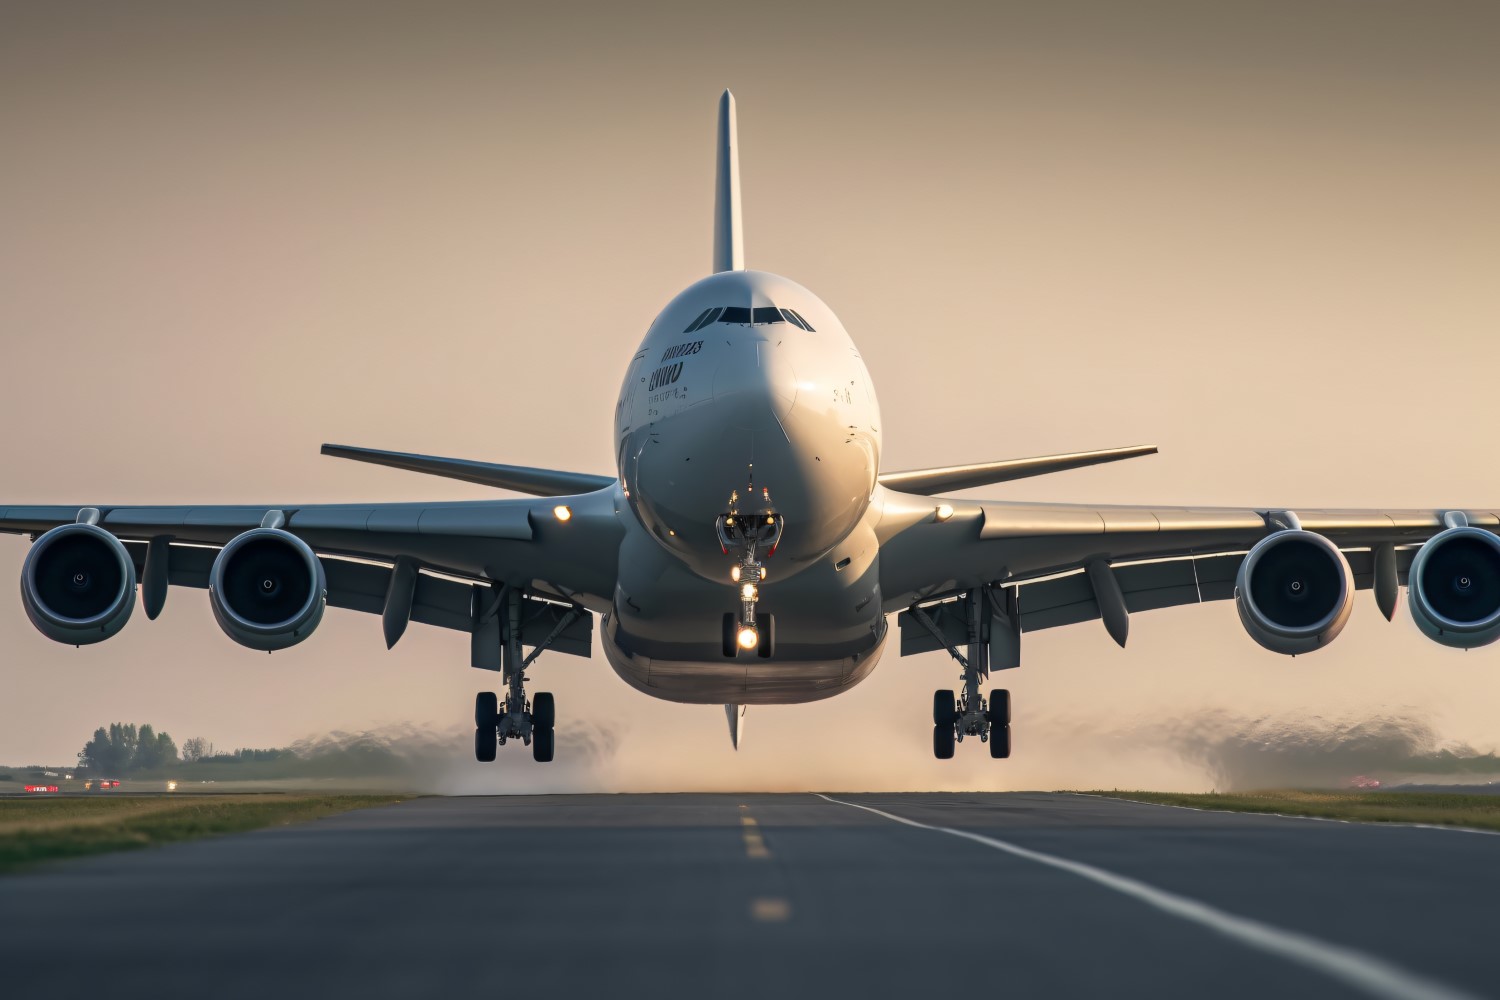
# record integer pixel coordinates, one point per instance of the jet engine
(78, 584)
(1294, 592)
(268, 589)
(1454, 587)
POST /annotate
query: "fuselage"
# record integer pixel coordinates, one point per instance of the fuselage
(746, 396)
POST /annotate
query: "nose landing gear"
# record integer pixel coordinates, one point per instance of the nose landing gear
(747, 535)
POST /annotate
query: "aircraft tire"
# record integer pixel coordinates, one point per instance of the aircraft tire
(944, 709)
(542, 745)
(999, 707)
(731, 647)
(942, 742)
(543, 710)
(765, 646)
(486, 710)
(484, 745)
(1000, 742)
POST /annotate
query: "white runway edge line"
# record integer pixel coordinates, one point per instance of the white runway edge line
(1376, 824)
(1355, 969)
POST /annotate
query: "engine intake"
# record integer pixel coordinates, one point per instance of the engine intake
(1453, 588)
(268, 589)
(1294, 592)
(78, 584)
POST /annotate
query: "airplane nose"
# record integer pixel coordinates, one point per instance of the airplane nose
(754, 374)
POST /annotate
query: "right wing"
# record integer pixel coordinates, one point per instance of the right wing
(461, 552)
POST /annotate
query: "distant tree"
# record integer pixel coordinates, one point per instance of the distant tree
(123, 748)
(195, 749)
(153, 750)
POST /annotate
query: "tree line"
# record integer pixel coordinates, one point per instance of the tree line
(123, 748)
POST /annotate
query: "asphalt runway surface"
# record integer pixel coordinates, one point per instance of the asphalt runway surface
(1014, 895)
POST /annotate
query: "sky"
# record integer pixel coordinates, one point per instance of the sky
(1262, 236)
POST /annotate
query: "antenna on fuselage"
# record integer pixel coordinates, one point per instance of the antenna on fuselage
(729, 234)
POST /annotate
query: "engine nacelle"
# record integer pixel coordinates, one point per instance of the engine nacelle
(1453, 588)
(78, 584)
(268, 589)
(1294, 592)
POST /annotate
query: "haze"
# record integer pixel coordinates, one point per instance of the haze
(1262, 236)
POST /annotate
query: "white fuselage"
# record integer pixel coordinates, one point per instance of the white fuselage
(758, 410)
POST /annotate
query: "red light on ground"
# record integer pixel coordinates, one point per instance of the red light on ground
(41, 788)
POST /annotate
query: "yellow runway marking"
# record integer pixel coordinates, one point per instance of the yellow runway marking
(770, 910)
(755, 844)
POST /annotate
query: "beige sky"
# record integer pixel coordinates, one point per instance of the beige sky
(1262, 236)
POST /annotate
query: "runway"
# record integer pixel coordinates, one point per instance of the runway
(796, 895)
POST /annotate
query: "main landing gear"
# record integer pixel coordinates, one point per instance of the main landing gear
(954, 718)
(530, 721)
(966, 712)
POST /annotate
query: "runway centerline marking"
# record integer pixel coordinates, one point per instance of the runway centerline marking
(770, 910)
(755, 844)
(1349, 966)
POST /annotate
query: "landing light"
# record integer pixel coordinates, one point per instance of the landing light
(562, 513)
(734, 574)
(748, 592)
(944, 511)
(747, 638)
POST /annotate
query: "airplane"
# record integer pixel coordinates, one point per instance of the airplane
(749, 549)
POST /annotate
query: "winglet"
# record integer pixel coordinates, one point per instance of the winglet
(729, 235)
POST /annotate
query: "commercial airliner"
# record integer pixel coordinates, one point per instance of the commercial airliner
(749, 548)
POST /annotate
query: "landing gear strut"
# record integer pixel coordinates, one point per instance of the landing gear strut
(967, 712)
(748, 534)
(532, 722)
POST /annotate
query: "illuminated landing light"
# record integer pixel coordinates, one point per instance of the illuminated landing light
(734, 574)
(749, 593)
(944, 511)
(562, 513)
(747, 638)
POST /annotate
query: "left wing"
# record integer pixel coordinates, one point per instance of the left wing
(1054, 559)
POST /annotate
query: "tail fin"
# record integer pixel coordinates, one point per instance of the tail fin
(729, 234)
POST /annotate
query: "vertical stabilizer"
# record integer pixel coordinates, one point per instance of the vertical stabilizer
(729, 235)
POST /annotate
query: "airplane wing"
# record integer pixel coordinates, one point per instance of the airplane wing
(1050, 565)
(446, 562)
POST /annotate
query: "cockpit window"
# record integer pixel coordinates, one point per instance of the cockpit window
(805, 324)
(759, 316)
(709, 315)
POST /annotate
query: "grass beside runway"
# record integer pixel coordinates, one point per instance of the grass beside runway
(36, 830)
(1480, 812)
